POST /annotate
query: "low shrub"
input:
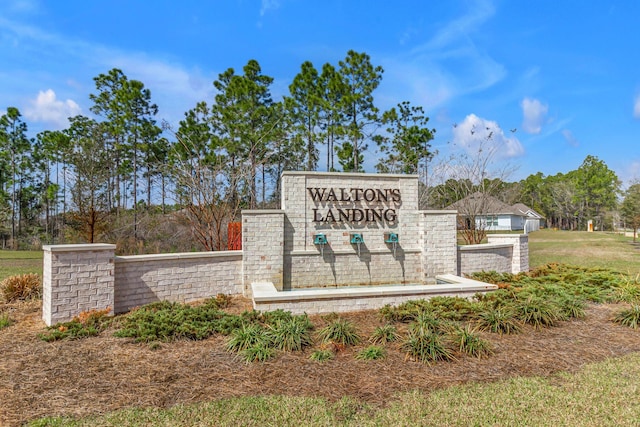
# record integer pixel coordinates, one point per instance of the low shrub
(384, 334)
(293, 334)
(168, 321)
(538, 312)
(469, 342)
(340, 331)
(499, 321)
(373, 352)
(21, 287)
(322, 355)
(87, 324)
(629, 317)
(426, 347)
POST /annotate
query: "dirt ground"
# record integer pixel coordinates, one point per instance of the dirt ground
(101, 374)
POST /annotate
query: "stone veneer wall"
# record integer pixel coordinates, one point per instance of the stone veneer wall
(262, 246)
(484, 257)
(505, 253)
(520, 243)
(182, 277)
(307, 265)
(439, 236)
(76, 278)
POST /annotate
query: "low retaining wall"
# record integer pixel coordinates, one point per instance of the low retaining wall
(90, 277)
(505, 253)
(182, 277)
(78, 278)
(347, 299)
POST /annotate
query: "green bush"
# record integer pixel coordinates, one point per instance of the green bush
(384, 334)
(373, 352)
(499, 321)
(87, 324)
(292, 334)
(168, 321)
(340, 331)
(629, 317)
(470, 343)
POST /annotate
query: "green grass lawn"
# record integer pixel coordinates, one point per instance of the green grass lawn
(20, 262)
(581, 248)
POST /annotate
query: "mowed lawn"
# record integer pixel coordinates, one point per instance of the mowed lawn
(20, 262)
(596, 249)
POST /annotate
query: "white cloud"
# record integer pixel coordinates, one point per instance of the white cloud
(534, 113)
(568, 136)
(478, 13)
(47, 108)
(449, 64)
(267, 5)
(475, 134)
(636, 107)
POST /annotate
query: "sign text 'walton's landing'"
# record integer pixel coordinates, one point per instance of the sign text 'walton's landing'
(359, 196)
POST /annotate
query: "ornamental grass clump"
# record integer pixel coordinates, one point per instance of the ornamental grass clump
(5, 321)
(373, 352)
(538, 312)
(499, 321)
(426, 346)
(469, 342)
(260, 352)
(340, 331)
(322, 355)
(629, 317)
(384, 334)
(247, 336)
(572, 307)
(428, 322)
(293, 334)
(21, 288)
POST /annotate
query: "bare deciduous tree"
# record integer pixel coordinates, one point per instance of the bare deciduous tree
(466, 180)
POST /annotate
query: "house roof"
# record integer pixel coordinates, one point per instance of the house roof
(526, 210)
(484, 204)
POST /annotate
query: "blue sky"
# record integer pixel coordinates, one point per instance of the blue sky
(563, 74)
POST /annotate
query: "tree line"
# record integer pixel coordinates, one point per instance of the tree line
(121, 176)
(105, 176)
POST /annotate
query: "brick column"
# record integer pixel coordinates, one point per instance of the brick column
(439, 244)
(520, 242)
(76, 278)
(262, 248)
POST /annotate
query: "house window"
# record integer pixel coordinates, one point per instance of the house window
(492, 221)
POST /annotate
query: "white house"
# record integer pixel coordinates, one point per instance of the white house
(494, 215)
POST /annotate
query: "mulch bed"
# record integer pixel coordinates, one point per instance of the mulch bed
(101, 374)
